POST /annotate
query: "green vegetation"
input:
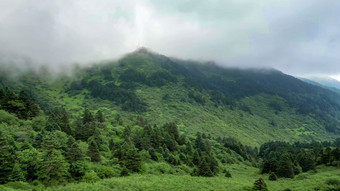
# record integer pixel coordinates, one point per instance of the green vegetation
(147, 122)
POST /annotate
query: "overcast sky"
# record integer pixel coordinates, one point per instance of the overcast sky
(299, 37)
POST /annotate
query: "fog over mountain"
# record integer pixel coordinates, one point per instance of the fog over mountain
(296, 37)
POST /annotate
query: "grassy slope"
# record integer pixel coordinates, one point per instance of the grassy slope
(218, 121)
(242, 177)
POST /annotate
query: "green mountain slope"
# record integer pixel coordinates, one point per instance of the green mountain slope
(254, 106)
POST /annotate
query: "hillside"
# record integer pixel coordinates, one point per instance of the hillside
(254, 106)
(147, 116)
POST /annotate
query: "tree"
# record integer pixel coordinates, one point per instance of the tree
(54, 168)
(93, 152)
(7, 158)
(29, 161)
(17, 174)
(172, 130)
(87, 116)
(272, 176)
(260, 185)
(307, 162)
(100, 117)
(31, 109)
(73, 154)
(326, 156)
(204, 169)
(199, 143)
(128, 156)
(78, 169)
(58, 120)
(84, 131)
(285, 168)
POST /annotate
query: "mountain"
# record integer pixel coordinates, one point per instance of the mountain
(325, 82)
(253, 105)
(167, 124)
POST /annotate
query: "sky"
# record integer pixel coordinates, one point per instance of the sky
(297, 37)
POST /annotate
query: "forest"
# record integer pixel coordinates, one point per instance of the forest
(42, 151)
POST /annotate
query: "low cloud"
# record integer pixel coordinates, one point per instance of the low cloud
(297, 37)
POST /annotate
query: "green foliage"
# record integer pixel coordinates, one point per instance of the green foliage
(22, 105)
(93, 152)
(54, 168)
(16, 174)
(91, 177)
(260, 185)
(285, 167)
(272, 176)
(117, 119)
(7, 158)
(128, 157)
(18, 185)
(227, 174)
(29, 161)
(78, 169)
(106, 172)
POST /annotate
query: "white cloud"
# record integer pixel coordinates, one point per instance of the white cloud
(298, 37)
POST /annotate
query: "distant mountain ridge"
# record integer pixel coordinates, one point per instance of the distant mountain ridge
(326, 82)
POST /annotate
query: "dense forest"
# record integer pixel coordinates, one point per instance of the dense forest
(56, 149)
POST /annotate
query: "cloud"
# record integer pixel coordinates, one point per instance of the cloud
(297, 37)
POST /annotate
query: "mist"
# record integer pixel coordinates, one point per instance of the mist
(296, 37)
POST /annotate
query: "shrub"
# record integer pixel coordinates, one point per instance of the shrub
(91, 177)
(106, 172)
(124, 172)
(19, 185)
(260, 185)
(272, 176)
(227, 174)
(333, 182)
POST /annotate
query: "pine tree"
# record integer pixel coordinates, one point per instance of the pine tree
(260, 185)
(204, 169)
(93, 152)
(31, 108)
(172, 130)
(307, 162)
(285, 168)
(128, 156)
(73, 153)
(100, 117)
(326, 156)
(87, 116)
(54, 168)
(17, 174)
(199, 143)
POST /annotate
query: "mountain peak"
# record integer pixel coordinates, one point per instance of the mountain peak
(143, 50)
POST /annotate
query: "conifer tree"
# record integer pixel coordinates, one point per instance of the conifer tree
(285, 167)
(73, 154)
(100, 117)
(87, 116)
(17, 174)
(260, 185)
(307, 162)
(54, 168)
(93, 152)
